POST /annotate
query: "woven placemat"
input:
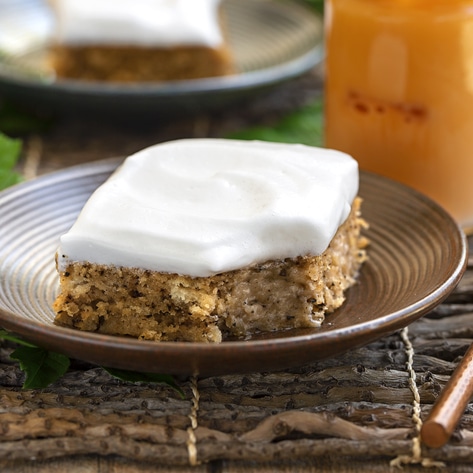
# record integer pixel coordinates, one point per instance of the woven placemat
(369, 402)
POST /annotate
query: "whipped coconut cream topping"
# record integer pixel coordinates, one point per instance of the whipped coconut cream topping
(203, 206)
(160, 23)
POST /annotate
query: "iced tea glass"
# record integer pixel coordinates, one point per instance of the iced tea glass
(399, 93)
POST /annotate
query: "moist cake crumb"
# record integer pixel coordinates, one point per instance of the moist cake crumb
(276, 295)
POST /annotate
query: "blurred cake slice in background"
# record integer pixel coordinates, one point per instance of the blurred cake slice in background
(139, 40)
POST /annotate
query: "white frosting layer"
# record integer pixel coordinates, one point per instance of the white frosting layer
(160, 23)
(204, 206)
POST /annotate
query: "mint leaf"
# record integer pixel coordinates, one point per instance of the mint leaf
(41, 366)
(10, 150)
(12, 338)
(304, 126)
(9, 178)
(134, 377)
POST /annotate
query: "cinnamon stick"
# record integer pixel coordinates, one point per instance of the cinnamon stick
(450, 405)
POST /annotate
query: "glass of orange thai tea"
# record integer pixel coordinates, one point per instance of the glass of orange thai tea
(399, 93)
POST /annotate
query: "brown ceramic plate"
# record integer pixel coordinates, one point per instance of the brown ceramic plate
(271, 42)
(416, 257)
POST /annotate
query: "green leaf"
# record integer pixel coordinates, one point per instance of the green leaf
(304, 126)
(13, 338)
(134, 377)
(10, 150)
(41, 366)
(9, 178)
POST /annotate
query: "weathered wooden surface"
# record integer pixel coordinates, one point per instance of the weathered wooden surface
(355, 412)
(358, 405)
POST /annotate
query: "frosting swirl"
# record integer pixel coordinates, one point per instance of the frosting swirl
(204, 206)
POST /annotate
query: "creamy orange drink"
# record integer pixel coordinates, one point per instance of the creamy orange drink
(399, 93)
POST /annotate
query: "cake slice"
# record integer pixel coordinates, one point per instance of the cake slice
(204, 240)
(139, 40)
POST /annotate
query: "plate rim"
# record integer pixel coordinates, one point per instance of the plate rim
(34, 331)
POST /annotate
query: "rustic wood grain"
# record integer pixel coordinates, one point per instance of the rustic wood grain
(358, 403)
